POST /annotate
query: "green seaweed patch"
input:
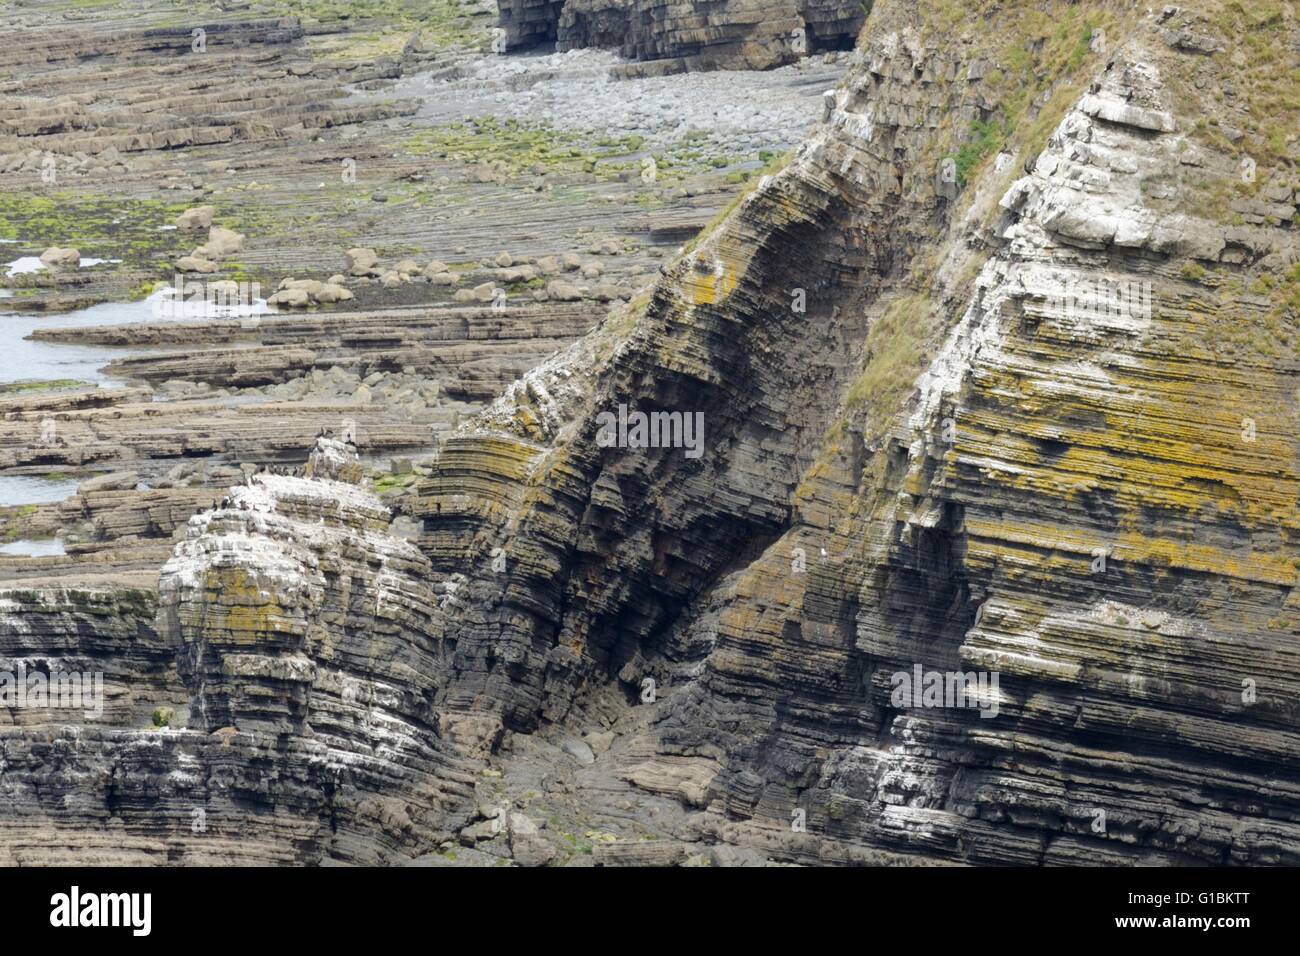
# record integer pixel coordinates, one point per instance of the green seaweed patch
(48, 385)
(126, 229)
(384, 26)
(517, 147)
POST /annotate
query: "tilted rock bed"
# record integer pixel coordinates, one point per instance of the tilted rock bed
(962, 454)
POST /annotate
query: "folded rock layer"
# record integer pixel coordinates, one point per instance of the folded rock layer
(938, 505)
(1035, 424)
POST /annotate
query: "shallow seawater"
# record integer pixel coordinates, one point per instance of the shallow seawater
(25, 265)
(34, 490)
(33, 548)
(22, 359)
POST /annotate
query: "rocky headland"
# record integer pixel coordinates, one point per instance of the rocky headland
(997, 376)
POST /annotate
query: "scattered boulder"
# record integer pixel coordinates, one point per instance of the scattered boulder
(196, 264)
(184, 474)
(362, 262)
(113, 481)
(200, 217)
(578, 750)
(333, 292)
(56, 258)
(606, 292)
(221, 243)
(313, 289)
(311, 286)
(478, 832)
(527, 845)
(562, 291)
(296, 298)
(529, 849)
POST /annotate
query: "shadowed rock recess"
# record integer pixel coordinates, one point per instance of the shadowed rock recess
(998, 378)
(701, 34)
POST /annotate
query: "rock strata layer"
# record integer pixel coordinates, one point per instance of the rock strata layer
(714, 34)
(1078, 490)
(981, 547)
(293, 652)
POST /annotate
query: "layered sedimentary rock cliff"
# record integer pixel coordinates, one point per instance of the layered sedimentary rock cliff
(999, 377)
(715, 34)
(291, 662)
(998, 382)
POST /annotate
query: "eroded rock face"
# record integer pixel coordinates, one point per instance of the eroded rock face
(529, 22)
(294, 638)
(268, 582)
(593, 23)
(1076, 490)
(990, 385)
(298, 614)
(715, 34)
